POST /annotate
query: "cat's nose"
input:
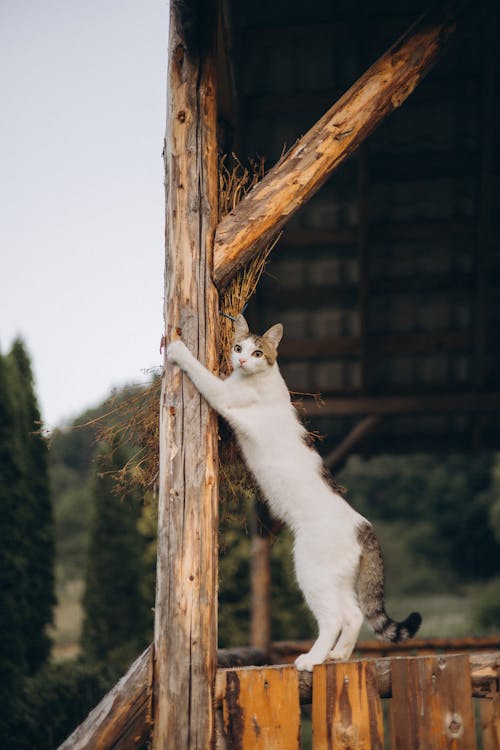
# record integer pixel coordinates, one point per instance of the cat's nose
(241, 360)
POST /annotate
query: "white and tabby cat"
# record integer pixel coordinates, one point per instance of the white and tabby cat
(338, 561)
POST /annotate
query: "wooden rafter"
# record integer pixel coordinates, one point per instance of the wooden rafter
(257, 219)
(380, 405)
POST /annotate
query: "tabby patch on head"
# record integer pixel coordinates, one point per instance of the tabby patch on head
(267, 343)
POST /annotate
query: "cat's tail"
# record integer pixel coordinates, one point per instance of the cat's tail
(371, 592)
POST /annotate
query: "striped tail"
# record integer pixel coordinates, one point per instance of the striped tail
(371, 592)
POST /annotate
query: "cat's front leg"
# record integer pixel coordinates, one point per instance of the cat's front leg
(179, 354)
(208, 384)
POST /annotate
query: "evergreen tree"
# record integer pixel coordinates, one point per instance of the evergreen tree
(12, 568)
(37, 541)
(117, 619)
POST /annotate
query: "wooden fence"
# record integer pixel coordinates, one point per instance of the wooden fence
(429, 705)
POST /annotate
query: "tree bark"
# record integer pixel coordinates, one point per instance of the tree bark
(185, 642)
(257, 219)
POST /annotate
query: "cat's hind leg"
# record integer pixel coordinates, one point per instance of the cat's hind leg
(328, 634)
(323, 596)
(352, 619)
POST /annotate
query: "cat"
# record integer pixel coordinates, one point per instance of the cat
(338, 560)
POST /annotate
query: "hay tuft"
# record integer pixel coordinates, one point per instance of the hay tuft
(134, 420)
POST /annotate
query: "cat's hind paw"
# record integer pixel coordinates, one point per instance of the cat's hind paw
(306, 662)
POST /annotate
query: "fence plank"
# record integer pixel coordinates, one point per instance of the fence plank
(490, 722)
(261, 708)
(431, 706)
(346, 707)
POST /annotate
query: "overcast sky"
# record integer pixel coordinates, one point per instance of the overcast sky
(81, 192)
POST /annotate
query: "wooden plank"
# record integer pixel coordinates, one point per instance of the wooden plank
(257, 219)
(186, 598)
(123, 717)
(483, 667)
(431, 707)
(490, 722)
(261, 708)
(346, 710)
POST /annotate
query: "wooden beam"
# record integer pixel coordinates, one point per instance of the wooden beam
(341, 347)
(388, 82)
(438, 404)
(186, 590)
(336, 458)
(123, 718)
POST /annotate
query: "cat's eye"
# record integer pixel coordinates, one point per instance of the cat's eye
(237, 348)
(257, 353)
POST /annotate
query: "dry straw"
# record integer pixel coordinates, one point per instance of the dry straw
(134, 420)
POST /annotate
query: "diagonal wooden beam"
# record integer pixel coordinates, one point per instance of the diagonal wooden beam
(341, 452)
(257, 219)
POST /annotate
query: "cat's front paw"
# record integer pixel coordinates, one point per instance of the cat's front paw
(177, 352)
(306, 662)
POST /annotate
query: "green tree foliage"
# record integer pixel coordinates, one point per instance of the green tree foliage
(38, 533)
(13, 583)
(117, 624)
(442, 506)
(56, 700)
(26, 539)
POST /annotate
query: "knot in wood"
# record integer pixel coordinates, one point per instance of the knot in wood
(454, 726)
(181, 116)
(346, 736)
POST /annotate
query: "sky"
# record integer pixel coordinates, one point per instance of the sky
(83, 87)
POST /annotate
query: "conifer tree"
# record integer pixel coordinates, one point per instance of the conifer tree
(12, 569)
(37, 543)
(116, 619)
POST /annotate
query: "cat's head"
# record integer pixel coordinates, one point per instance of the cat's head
(252, 354)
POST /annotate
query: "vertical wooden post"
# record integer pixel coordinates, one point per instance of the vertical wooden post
(431, 707)
(261, 708)
(346, 709)
(186, 596)
(260, 578)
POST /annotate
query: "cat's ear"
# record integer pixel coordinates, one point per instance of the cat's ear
(240, 327)
(274, 335)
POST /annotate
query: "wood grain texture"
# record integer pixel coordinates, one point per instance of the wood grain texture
(261, 708)
(431, 706)
(346, 709)
(123, 717)
(257, 219)
(186, 597)
(124, 714)
(490, 722)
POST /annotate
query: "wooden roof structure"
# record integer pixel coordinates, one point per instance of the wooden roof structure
(386, 277)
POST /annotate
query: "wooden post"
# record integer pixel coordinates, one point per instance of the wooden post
(431, 708)
(261, 708)
(260, 578)
(346, 709)
(186, 595)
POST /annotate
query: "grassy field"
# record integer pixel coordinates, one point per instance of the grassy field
(67, 620)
